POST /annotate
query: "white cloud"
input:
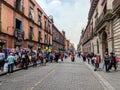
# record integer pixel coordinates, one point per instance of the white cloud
(55, 2)
(71, 17)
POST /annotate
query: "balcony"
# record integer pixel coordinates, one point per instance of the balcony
(19, 7)
(116, 3)
(47, 31)
(19, 35)
(105, 16)
(101, 17)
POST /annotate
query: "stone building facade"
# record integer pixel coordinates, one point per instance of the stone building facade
(116, 27)
(100, 25)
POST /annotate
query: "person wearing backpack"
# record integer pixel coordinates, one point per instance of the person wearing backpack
(112, 61)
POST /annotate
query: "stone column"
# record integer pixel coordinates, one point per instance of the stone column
(110, 37)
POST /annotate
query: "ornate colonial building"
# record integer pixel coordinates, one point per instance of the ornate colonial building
(97, 36)
(23, 23)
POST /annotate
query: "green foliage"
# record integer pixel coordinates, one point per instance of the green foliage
(108, 14)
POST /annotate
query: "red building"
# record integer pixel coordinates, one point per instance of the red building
(58, 39)
(23, 23)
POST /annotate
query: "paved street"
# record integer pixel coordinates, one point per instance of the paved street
(55, 76)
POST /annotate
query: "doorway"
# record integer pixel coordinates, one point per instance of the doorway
(105, 42)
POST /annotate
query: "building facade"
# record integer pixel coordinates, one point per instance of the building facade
(116, 27)
(97, 36)
(67, 42)
(71, 47)
(58, 39)
(23, 23)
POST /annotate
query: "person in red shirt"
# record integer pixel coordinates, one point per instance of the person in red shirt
(84, 56)
(72, 57)
(96, 62)
(62, 56)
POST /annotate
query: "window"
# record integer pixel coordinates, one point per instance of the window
(31, 33)
(49, 28)
(45, 25)
(39, 36)
(49, 40)
(45, 38)
(39, 18)
(18, 24)
(19, 5)
(31, 13)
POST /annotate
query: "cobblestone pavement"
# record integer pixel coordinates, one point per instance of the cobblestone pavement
(112, 78)
(65, 75)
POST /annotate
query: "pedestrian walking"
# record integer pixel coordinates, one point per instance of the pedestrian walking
(112, 61)
(93, 60)
(88, 58)
(57, 55)
(84, 56)
(106, 61)
(51, 57)
(11, 60)
(96, 62)
(72, 57)
(41, 58)
(34, 58)
(24, 59)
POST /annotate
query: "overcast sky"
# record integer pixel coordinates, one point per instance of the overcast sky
(69, 15)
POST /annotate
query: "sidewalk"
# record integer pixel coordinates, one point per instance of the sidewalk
(15, 69)
(111, 79)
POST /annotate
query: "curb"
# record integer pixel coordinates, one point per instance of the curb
(106, 85)
(18, 69)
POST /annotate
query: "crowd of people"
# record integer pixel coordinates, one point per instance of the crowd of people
(108, 61)
(21, 58)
